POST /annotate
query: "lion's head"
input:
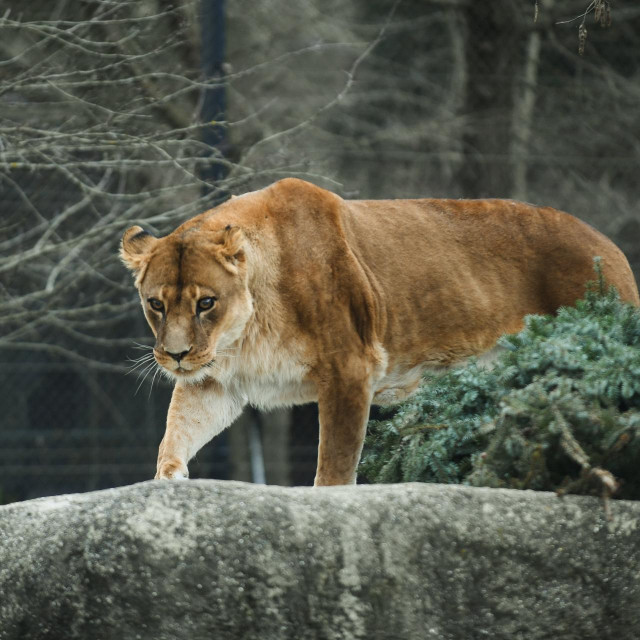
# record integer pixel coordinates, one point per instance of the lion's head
(194, 293)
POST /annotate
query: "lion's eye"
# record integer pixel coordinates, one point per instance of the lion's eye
(156, 304)
(204, 304)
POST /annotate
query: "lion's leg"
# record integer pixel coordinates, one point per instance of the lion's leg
(343, 412)
(197, 413)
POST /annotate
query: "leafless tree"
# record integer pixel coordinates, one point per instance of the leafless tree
(100, 129)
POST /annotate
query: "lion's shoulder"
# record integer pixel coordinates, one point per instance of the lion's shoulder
(296, 192)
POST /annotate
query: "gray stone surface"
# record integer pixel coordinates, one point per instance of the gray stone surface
(208, 559)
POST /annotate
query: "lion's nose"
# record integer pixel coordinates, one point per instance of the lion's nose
(178, 356)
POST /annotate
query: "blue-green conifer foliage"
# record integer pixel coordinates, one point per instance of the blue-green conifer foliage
(559, 410)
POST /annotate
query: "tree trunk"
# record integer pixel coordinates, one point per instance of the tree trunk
(492, 38)
(523, 117)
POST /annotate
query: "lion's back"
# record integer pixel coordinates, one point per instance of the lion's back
(410, 239)
(467, 271)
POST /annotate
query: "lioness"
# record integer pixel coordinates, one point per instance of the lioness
(291, 294)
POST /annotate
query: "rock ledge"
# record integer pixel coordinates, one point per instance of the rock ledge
(226, 560)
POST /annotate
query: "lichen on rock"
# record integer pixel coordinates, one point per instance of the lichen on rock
(225, 560)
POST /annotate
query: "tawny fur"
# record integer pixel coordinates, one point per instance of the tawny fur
(344, 302)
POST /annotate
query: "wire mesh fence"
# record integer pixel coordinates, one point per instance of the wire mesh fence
(103, 124)
(67, 429)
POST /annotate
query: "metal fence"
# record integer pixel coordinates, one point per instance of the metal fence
(66, 429)
(100, 129)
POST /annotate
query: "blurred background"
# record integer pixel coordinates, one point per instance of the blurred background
(115, 113)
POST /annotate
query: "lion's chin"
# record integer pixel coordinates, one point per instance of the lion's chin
(181, 374)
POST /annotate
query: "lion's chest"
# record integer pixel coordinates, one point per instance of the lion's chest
(284, 388)
(268, 379)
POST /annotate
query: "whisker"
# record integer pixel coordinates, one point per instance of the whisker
(146, 356)
(228, 349)
(140, 362)
(212, 364)
(138, 345)
(153, 380)
(141, 383)
(144, 374)
(149, 366)
(227, 353)
(137, 367)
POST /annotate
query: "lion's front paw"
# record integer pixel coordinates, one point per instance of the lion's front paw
(172, 470)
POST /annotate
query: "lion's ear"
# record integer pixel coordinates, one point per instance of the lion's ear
(232, 249)
(135, 247)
